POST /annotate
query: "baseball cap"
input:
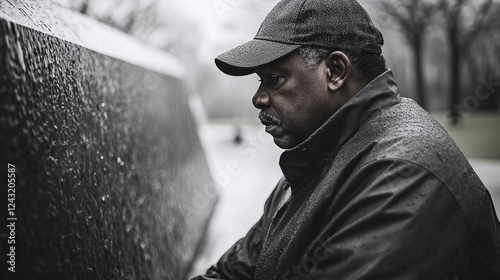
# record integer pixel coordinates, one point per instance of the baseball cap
(331, 24)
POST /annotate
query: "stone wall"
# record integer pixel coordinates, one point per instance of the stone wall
(106, 154)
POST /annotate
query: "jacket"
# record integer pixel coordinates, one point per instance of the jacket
(379, 191)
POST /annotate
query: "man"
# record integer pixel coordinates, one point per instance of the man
(373, 187)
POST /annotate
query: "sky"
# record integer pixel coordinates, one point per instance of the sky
(224, 23)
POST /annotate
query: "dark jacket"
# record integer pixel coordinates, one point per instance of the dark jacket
(380, 191)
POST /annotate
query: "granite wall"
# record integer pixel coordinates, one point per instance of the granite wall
(106, 159)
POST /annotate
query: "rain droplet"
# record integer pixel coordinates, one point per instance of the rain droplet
(120, 161)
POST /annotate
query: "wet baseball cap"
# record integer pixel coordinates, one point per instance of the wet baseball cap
(330, 24)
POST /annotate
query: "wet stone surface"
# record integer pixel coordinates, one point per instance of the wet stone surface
(107, 160)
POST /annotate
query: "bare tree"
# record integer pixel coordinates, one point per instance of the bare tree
(413, 19)
(143, 19)
(465, 21)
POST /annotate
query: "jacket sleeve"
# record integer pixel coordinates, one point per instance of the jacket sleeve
(398, 221)
(240, 260)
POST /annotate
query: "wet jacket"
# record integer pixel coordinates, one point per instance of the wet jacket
(380, 191)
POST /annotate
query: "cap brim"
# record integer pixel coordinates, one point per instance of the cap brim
(243, 59)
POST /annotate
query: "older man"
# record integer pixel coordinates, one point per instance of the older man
(373, 187)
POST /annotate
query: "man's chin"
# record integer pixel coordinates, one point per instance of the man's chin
(285, 142)
(281, 138)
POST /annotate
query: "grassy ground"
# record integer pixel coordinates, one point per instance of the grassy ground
(478, 135)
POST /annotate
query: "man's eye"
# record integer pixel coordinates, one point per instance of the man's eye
(274, 80)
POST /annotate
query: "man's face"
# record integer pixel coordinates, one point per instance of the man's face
(294, 99)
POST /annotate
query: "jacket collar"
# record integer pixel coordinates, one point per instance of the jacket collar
(323, 145)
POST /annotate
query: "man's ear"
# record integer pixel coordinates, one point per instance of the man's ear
(339, 66)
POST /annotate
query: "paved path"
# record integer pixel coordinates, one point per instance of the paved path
(247, 174)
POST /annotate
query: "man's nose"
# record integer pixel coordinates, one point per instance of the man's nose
(261, 99)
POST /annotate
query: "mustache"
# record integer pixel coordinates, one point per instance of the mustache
(269, 119)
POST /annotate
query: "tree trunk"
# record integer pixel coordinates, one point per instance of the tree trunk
(419, 74)
(455, 64)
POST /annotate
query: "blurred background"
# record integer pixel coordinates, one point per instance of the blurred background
(445, 54)
(441, 51)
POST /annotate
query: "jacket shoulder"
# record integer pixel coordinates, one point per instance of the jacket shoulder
(405, 132)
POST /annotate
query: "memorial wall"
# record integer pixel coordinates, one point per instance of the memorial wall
(110, 178)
